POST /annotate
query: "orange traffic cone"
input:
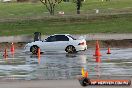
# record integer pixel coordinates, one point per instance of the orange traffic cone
(86, 74)
(5, 53)
(108, 51)
(98, 59)
(38, 55)
(38, 52)
(97, 51)
(12, 49)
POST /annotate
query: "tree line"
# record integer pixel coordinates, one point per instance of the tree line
(50, 5)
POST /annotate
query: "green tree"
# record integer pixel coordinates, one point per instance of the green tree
(78, 5)
(50, 5)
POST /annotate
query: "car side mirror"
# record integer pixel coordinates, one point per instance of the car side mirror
(45, 40)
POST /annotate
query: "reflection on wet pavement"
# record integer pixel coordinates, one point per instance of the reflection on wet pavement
(55, 65)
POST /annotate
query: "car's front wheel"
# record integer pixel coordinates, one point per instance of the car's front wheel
(70, 49)
(34, 49)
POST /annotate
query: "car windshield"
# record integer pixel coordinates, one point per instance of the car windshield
(50, 39)
(72, 37)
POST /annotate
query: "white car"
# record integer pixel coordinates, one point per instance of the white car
(57, 42)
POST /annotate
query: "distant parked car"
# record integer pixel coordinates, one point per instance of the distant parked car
(57, 42)
(6, 0)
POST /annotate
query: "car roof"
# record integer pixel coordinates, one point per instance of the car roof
(62, 34)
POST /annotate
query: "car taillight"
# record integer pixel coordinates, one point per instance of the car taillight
(82, 43)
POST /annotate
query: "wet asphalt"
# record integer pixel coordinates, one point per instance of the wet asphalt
(60, 65)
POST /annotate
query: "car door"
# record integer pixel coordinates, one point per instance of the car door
(49, 44)
(61, 42)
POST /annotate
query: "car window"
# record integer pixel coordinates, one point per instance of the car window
(51, 39)
(62, 38)
(72, 37)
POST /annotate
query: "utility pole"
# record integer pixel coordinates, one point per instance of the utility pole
(79, 4)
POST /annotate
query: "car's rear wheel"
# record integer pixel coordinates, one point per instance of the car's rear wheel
(70, 49)
(34, 49)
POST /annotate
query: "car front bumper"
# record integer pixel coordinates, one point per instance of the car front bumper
(27, 49)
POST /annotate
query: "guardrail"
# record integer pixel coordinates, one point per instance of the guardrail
(88, 37)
